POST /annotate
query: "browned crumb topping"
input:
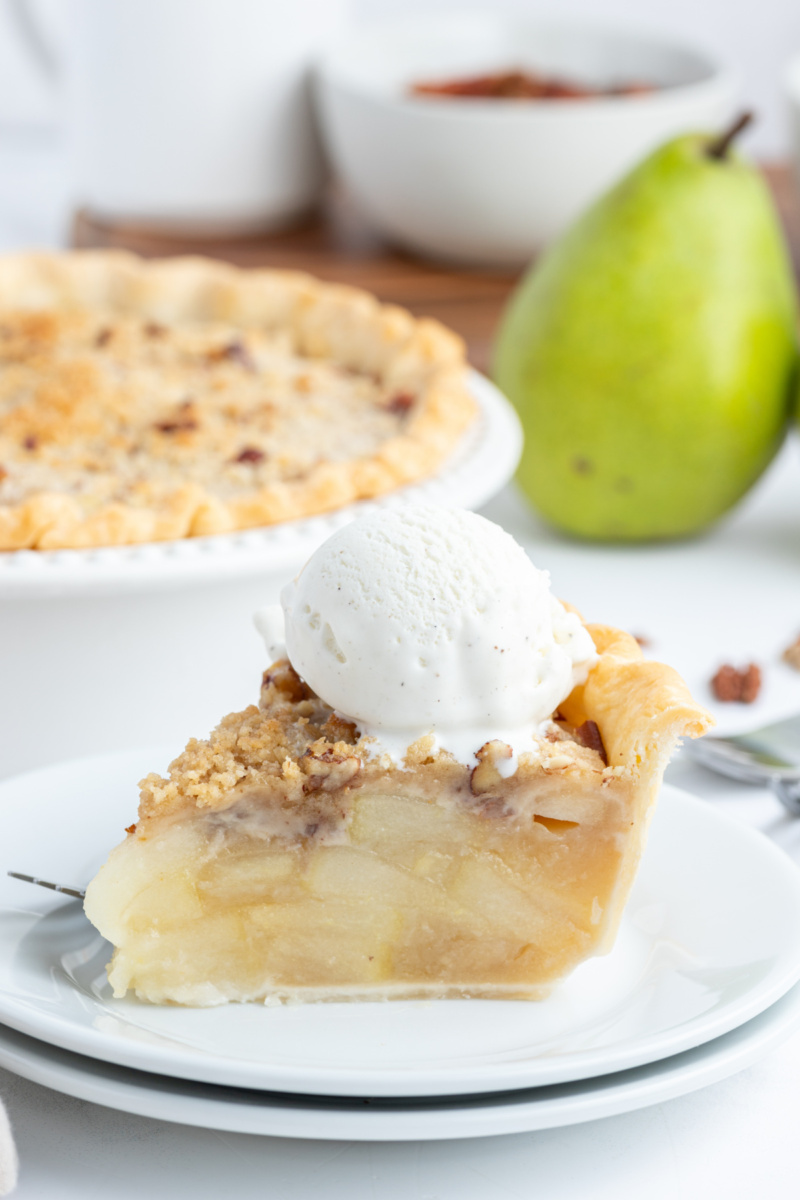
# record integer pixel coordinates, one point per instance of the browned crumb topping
(791, 655)
(731, 684)
(144, 408)
(293, 748)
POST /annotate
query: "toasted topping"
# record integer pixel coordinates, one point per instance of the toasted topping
(294, 746)
(731, 684)
(102, 401)
(286, 684)
(250, 454)
(400, 403)
(235, 352)
(329, 768)
(180, 425)
(588, 734)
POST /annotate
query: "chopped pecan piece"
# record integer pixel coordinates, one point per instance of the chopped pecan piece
(486, 776)
(283, 677)
(336, 729)
(179, 425)
(791, 654)
(234, 352)
(328, 770)
(588, 734)
(130, 828)
(250, 454)
(103, 337)
(400, 403)
(152, 329)
(733, 685)
(30, 442)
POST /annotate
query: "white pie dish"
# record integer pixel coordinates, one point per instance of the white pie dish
(698, 955)
(156, 641)
(490, 181)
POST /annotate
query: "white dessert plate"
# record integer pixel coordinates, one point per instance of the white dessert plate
(710, 939)
(483, 462)
(239, 1110)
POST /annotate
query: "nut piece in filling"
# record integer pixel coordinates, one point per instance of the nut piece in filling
(444, 790)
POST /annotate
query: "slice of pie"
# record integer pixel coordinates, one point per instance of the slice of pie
(283, 859)
(148, 401)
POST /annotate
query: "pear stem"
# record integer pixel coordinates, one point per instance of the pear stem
(720, 146)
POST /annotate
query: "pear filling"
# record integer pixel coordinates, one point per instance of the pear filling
(415, 898)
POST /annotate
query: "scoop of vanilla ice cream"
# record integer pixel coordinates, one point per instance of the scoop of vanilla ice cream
(422, 620)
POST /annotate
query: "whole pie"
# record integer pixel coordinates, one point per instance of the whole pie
(281, 859)
(146, 401)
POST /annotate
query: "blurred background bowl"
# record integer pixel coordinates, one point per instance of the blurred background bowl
(792, 93)
(491, 180)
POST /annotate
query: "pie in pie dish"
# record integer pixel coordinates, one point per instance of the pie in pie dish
(148, 401)
(290, 855)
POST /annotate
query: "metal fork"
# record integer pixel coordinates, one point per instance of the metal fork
(769, 757)
(54, 887)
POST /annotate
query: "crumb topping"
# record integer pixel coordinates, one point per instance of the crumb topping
(144, 401)
(110, 413)
(293, 747)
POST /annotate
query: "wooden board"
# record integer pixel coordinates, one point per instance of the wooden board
(337, 244)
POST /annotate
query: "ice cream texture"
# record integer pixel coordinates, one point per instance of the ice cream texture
(426, 620)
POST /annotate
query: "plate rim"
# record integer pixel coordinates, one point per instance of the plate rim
(528, 1110)
(391, 1082)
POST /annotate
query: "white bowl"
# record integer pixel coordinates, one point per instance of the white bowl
(792, 93)
(490, 181)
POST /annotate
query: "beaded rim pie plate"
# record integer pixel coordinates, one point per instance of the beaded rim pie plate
(149, 401)
(480, 465)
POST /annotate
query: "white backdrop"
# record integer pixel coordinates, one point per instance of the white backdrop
(756, 36)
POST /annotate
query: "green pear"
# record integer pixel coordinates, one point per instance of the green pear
(652, 351)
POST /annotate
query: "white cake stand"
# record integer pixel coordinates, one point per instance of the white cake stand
(119, 646)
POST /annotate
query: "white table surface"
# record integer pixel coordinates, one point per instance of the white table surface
(735, 1140)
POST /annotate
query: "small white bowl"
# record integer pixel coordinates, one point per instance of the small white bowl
(792, 92)
(490, 181)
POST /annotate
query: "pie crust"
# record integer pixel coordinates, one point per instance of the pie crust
(281, 858)
(142, 401)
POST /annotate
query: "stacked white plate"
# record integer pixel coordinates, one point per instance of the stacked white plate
(703, 980)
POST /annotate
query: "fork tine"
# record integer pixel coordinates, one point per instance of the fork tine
(54, 887)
